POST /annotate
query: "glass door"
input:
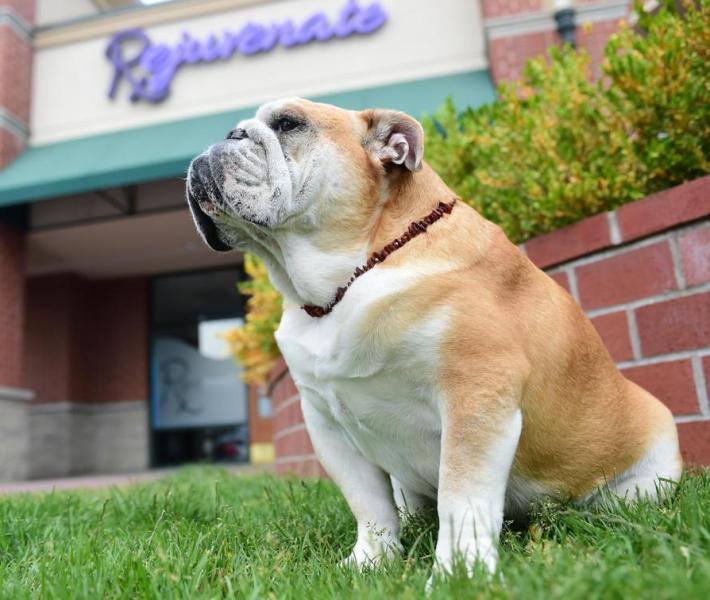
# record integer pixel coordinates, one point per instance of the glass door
(198, 402)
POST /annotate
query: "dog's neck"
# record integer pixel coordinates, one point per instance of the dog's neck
(410, 197)
(306, 272)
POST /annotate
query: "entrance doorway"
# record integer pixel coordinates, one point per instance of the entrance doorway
(198, 403)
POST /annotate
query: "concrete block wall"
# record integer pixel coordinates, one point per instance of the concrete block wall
(68, 438)
(13, 433)
(642, 275)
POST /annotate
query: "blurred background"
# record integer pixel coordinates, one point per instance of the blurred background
(112, 312)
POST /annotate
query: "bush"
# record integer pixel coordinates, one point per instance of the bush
(253, 345)
(556, 146)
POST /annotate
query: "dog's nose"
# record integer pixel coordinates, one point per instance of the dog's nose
(237, 134)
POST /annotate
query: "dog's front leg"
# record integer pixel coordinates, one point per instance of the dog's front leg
(479, 440)
(366, 487)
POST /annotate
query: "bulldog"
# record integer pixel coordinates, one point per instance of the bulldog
(435, 362)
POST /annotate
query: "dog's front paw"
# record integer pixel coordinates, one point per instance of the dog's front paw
(369, 553)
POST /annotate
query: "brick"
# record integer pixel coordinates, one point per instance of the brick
(261, 428)
(674, 325)
(569, 242)
(501, 8)
(284, 390)
(279, 366)
(508, 54)
(304, 467)
(15, 74)
(113, 347)
(695, 255)
(12, 306)
(695, 442)
(25, 8)
(706, 373)
(562, 279)
(614, 331)
(293, 443)
(626, 276)
(98, 350)
(671, 382)
(594, 40)
(10, 147)
(288, 414)
(666, 209)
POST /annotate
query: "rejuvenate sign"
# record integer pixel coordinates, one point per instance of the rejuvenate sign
(149, 68)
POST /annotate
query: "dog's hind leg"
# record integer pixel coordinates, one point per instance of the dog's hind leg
(654, 473)
(660, 465)
(408, 502)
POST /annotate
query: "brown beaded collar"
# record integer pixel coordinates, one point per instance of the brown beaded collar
(414, 230)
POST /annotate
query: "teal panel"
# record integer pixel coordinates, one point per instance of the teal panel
(165, 150)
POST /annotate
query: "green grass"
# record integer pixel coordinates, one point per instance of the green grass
(204, 533)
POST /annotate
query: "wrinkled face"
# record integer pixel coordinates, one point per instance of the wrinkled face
(296, 165)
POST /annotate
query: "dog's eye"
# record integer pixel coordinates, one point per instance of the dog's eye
(285, 124)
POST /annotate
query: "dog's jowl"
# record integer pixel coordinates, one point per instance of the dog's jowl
(436, 363)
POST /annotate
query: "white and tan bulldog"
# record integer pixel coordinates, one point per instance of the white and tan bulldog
(435, 362)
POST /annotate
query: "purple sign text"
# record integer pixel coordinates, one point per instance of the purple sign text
(150, 70)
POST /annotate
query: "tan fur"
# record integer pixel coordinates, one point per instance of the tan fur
(583, 422)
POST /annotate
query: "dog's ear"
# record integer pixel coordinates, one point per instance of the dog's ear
(394, 138)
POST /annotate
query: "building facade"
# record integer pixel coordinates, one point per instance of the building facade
(110, 306)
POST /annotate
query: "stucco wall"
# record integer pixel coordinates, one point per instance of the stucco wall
(420, 39)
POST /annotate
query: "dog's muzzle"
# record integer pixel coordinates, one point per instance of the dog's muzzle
(203, 198)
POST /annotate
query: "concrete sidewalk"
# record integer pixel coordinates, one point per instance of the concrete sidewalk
(104, 481)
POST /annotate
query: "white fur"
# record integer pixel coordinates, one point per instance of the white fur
(367, 387)
(373, 402)
(652, 474)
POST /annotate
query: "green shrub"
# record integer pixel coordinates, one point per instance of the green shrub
(557, 147)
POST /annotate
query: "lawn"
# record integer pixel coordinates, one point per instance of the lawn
(204, 533)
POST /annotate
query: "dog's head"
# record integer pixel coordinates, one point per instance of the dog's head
(300, 166)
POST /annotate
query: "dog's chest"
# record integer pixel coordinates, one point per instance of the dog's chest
(382, 393)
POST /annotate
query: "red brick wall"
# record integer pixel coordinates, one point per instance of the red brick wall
(642, 274)
(294, 452)
(24, 8)
(15, 71)
(503, 8)
(10, 146)
(261, 428)
(115, 341)
(52, 308)
(15, 80)
(87, 341)
(511, 43)
(12, 291)
(15, 74)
